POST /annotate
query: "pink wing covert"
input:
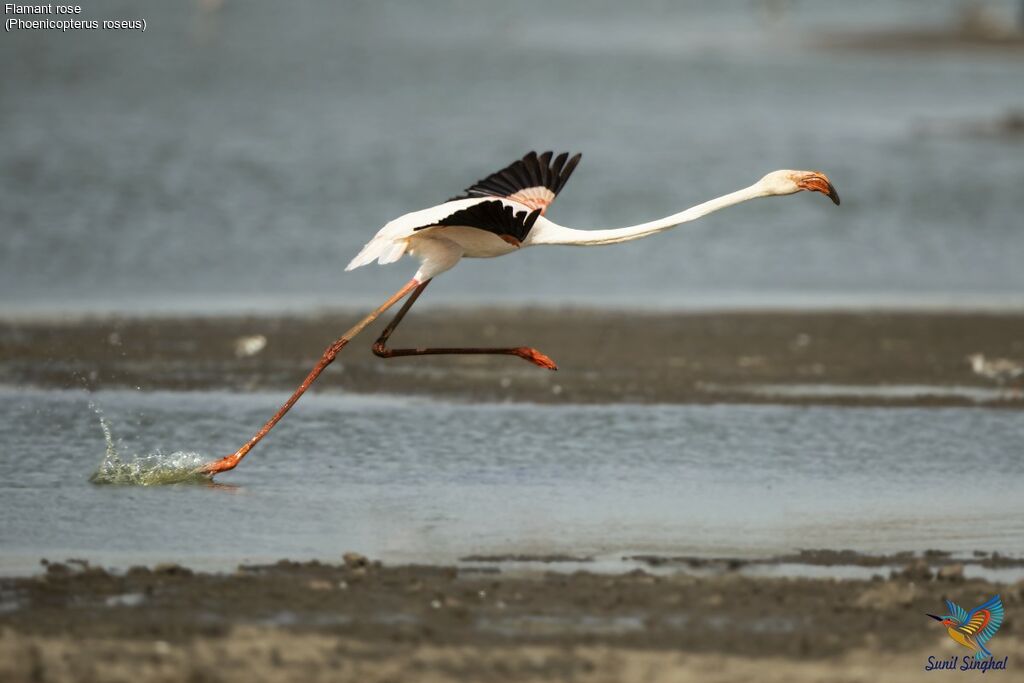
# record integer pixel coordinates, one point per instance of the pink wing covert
(533, 181)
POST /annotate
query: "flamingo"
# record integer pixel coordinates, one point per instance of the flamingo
(498, 215)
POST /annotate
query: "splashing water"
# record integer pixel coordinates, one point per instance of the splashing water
(145, 470)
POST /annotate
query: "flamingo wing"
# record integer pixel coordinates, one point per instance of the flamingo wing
(534, 181)
(511, 221)
(492, 204)
(492, 216)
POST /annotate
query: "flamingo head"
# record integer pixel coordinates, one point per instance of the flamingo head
(791, 182)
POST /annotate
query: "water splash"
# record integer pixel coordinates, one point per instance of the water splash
(145, 470)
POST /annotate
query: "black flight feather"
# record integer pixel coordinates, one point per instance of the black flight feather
(532, 170)
(495, 217)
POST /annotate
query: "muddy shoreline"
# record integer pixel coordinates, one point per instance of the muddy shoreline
(603, 357)
(358, 619)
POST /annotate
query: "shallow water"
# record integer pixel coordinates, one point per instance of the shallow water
(421, 480)
(239, 159)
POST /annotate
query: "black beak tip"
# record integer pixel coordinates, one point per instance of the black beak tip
(935, 617)
(832, 194)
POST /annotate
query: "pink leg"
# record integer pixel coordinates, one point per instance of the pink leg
(381, 349)
(231, 461)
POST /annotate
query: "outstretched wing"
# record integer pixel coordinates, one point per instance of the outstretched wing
(958, 613)
(494, 216)
(534, 180)
(984, 620)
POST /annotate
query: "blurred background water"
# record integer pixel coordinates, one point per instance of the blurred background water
(237, 154)
(420, 480)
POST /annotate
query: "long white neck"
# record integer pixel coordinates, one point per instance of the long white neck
(552, 233)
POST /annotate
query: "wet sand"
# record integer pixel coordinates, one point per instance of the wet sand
(357, 620)
(603, 357)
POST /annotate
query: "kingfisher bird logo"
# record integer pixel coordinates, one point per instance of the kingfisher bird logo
(975, 628)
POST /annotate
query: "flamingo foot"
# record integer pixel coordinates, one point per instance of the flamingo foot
(535, 357)
(222, 465)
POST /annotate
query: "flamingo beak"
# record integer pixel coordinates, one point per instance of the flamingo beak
(935, 617)
(819, 182)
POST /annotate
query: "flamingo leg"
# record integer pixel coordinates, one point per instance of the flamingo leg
(380, 347)
(231, 461)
